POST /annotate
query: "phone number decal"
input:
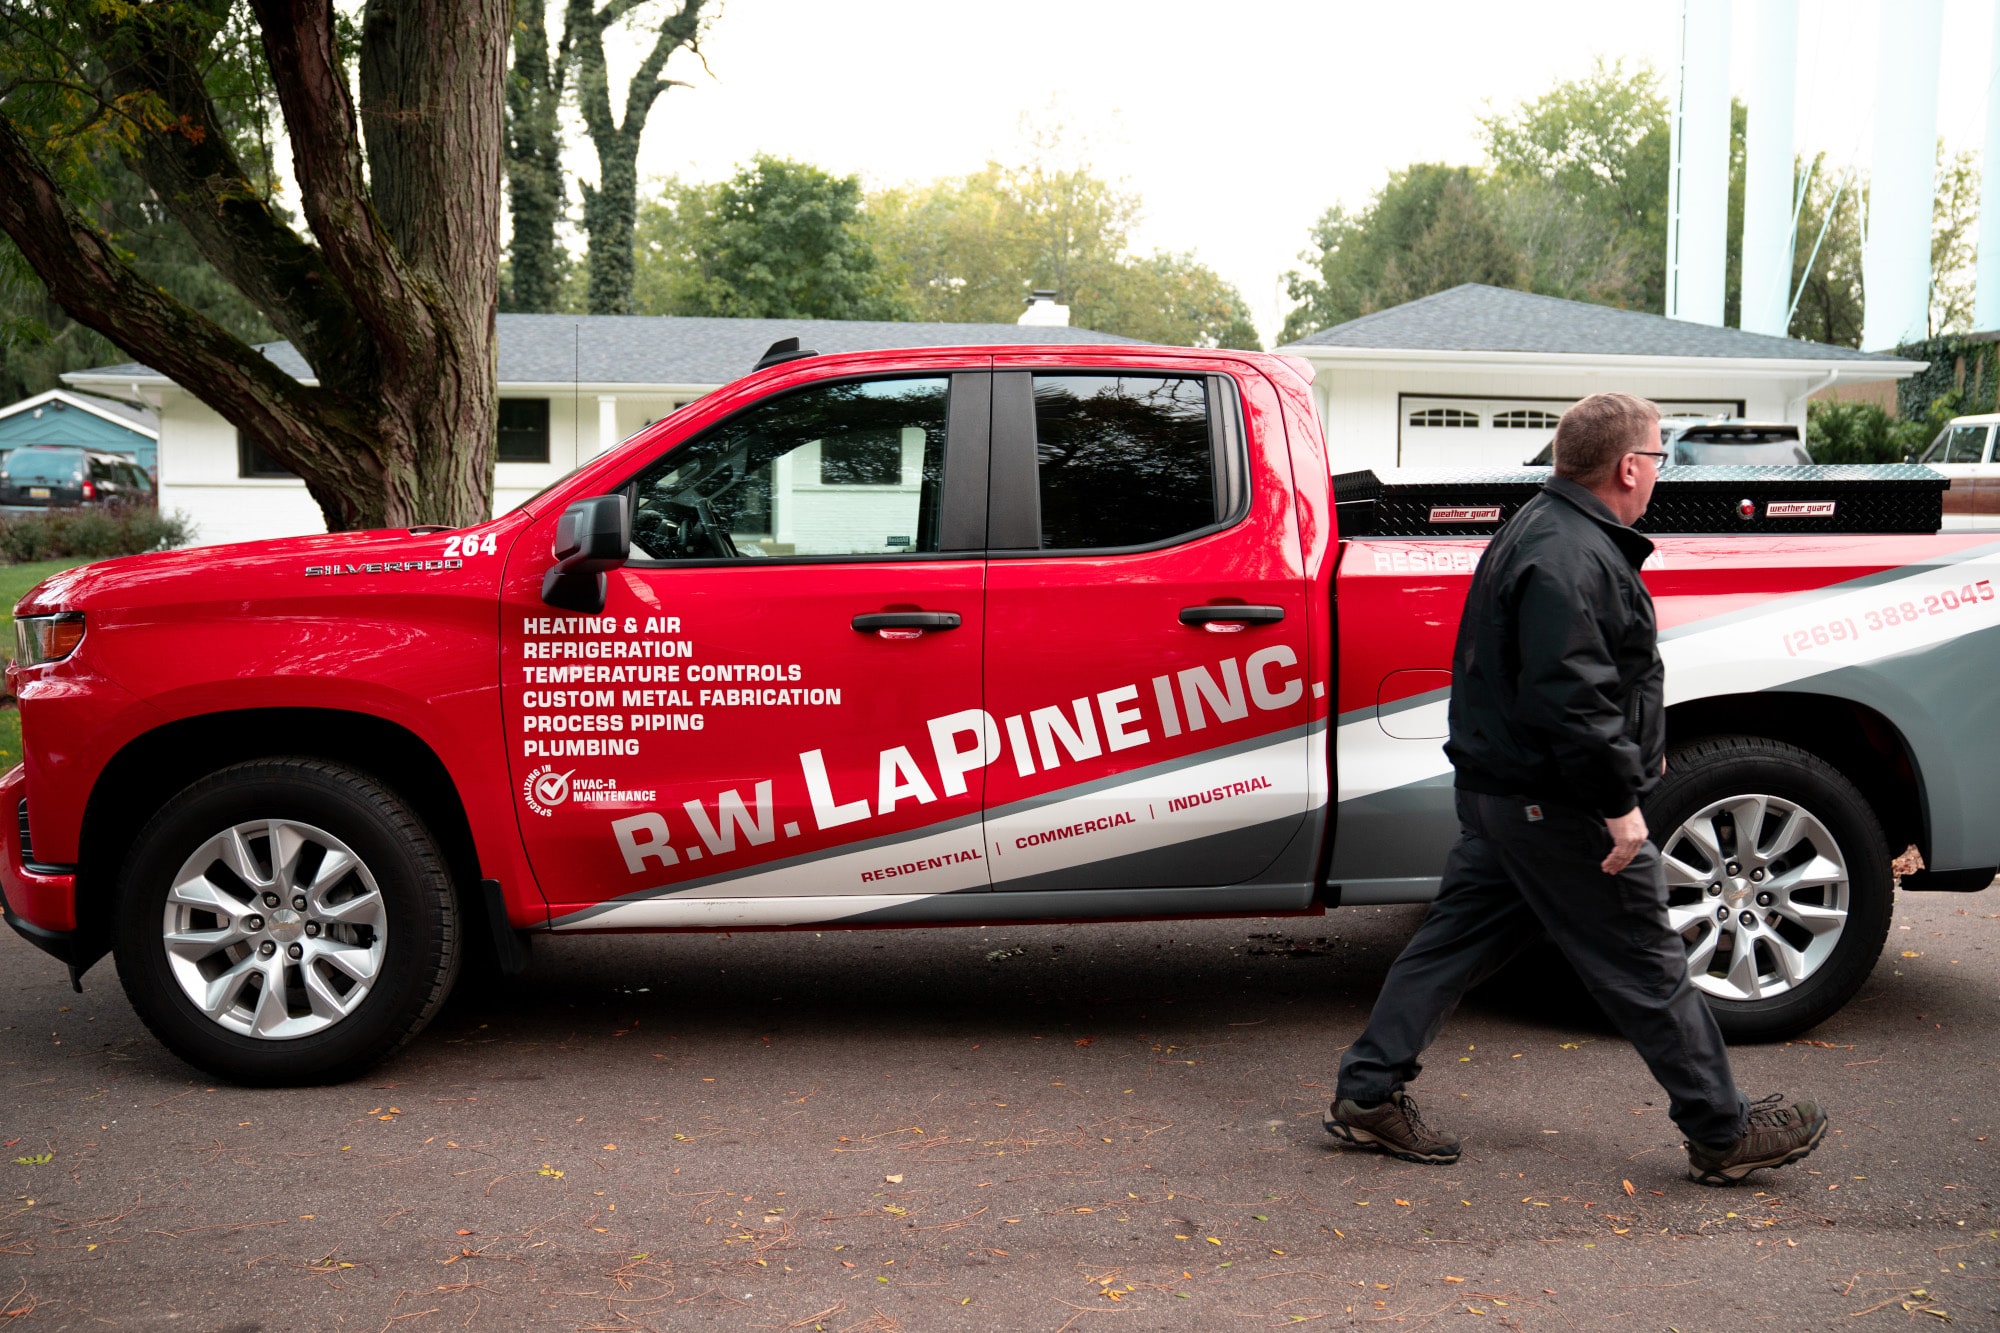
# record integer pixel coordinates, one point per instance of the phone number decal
(1884, 619)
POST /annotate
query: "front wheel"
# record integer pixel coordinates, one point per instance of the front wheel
(1778, 882)
(286, 921)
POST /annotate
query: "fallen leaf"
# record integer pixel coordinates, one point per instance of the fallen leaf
(1454, 1279)
(893, 1180)
(1629, 1191)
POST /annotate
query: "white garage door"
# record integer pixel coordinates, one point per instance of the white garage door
(1501, 432)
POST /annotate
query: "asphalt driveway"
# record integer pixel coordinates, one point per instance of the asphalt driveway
(1099, 1128)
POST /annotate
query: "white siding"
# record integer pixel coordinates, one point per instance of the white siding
(198, 466)
(198, 477)
(1362, 408)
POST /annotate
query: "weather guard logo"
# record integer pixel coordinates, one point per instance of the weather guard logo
(1466, 514)
(545, 789)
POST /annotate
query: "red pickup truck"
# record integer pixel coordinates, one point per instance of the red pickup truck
(960, 636)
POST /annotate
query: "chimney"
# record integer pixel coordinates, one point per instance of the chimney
(1043, 311)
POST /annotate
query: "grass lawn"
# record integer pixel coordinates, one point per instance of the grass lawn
(15, 580)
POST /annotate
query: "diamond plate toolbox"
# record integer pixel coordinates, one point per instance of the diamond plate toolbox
(1427, 502)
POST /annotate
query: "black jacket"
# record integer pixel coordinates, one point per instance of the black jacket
(1556, 681)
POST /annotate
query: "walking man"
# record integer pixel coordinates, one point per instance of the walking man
(1558, 732)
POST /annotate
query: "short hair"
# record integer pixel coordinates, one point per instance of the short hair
(1598, 431)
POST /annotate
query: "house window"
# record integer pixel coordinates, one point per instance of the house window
(524, 431)
(862, 458)
(253, 462)
(1444, 416)
(1526, 419)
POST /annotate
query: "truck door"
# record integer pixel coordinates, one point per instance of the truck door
(776, 718)
(1146, 632)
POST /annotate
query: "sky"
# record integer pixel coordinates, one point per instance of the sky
(1237, 125)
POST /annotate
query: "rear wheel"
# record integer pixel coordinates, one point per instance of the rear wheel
(286, 921)
(1778, 882)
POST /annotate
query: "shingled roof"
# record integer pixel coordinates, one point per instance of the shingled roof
(675, 350)
(1476, 318)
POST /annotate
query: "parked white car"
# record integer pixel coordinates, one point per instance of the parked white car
(1963, 451)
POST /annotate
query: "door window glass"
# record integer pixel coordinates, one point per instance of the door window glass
(1959, 444)
(851, 469)
(1122, 460)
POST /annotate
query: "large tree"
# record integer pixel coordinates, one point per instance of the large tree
(973, 247)
(1431, 227)
(391, 297)
(777, 240)
(610, 206)
(535, 195)
(1583, 173)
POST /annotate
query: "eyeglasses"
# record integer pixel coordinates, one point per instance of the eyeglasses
(1659, 456)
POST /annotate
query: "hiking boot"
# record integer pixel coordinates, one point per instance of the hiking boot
(1777, 1134)
(1393, 1127)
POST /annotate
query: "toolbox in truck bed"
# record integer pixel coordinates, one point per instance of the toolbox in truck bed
(1450, 502)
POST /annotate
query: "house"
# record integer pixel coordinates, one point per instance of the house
(62, 416)
(571, 387)
(1477, 376)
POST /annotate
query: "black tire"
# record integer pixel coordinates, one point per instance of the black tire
(408, 898)
(1705, 772)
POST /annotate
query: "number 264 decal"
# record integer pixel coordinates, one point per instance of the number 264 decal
(470, 544)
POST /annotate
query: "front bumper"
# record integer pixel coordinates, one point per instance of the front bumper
(39, 900)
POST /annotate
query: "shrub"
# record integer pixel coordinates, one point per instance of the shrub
(91, 534)
(1866, 433)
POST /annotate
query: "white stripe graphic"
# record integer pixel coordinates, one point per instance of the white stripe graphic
(833, 887)
(1223, 795)
(1924, 607)
(843, 884)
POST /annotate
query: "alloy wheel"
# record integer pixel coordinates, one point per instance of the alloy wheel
(275, 929)
(1759, 891)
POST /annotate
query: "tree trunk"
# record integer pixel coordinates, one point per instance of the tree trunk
(610, 208)
(392, 304)
(534, 164)
(433, 75)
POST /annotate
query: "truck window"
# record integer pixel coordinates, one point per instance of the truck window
(853, 469)
(1123, 460)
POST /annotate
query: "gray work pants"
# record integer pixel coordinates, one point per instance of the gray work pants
(1508, 879)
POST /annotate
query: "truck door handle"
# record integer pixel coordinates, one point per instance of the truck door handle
(1223, 619)
(905, 624)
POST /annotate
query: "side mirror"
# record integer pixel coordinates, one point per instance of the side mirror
(593, 536)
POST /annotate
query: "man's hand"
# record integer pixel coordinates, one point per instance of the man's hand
(1628, 835)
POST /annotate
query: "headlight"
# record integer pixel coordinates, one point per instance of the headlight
(39, 639)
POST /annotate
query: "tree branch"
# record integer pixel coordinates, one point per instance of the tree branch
(98, 288)
(683, 29)
(326, 156)
(192, 166)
